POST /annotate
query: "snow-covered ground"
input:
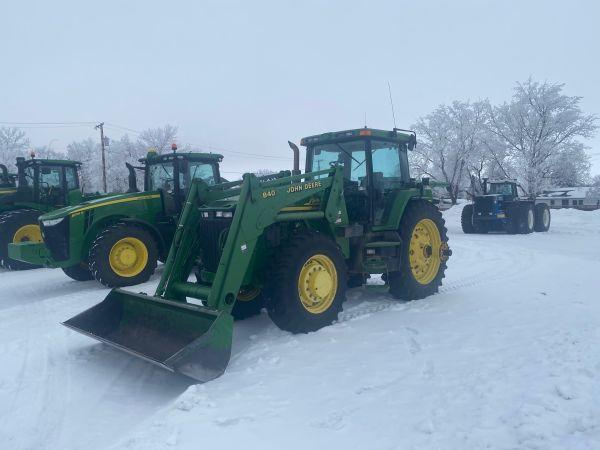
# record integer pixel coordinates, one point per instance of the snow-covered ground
(506, 356)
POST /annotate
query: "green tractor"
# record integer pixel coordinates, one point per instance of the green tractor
(118, 239)
(8, 181)
(43, 185)
(293, 244)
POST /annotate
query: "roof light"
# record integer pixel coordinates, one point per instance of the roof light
(32, 154)
(174, 147)
(364, 133)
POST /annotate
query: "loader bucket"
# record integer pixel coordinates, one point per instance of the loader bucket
(179, 337)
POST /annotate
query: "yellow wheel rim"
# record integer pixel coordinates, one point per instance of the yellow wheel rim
(128, 257)
(248, 294)
(317, 284)
(28, 233)
(424, 251)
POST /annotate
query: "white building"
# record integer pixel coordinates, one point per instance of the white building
(570, 197)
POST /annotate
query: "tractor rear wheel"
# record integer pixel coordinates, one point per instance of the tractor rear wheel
(123, 255)
(542, 217)
(308, 286)
(78, 272)
(466, 219)
(424, 252)
(15, 227)
(526, 218)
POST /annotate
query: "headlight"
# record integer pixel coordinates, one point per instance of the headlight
(225, 214)
(52, 222)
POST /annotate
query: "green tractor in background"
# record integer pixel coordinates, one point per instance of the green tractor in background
(118, 239)
(43, 185)
(292, 244)
(8, 181)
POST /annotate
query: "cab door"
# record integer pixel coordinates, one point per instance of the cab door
(51, 188)
(71, 183)
(389, 172)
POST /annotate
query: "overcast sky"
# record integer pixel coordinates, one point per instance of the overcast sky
(247, 76)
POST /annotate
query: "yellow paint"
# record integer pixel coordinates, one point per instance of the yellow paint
(424, 251)
(7, 192)
(317, 284)
(128, 257)
(28, 233)
(113, 202)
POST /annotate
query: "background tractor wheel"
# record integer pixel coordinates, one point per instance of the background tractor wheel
(424, 252)
(308, 285)
(249, 303)
(18, 226)
(466, 219)
(542, 217)
(123, 255)
(527, 218)
(78, 272)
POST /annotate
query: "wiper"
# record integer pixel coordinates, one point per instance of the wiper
(349, 154)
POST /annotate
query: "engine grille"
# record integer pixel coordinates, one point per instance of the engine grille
(56, 238)
(213, 233)
(484, 205)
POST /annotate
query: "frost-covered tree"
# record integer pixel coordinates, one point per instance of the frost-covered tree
(451, 141)
(159, 138)
(537, 125)
(570, 167)
(13, 143)
(88, 153)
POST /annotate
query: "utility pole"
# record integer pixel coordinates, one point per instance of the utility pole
(100, 127)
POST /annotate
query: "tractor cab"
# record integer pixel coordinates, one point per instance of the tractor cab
(375, 168)
(506, 189)
(172, 174)
(52, 183)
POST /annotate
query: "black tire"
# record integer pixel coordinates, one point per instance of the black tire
(249, 303)
(526, 218)
(403, 284)
(466, 219)
(79, 272)
(104, 243)
(513, 213)
(283, 300)
(10, 223)
(542, 217)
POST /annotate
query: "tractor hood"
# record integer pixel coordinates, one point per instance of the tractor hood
(99, 203)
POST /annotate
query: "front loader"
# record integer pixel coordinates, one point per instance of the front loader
(292, 244)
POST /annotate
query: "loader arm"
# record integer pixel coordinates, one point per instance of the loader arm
(260, 204)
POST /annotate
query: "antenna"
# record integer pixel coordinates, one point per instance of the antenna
(365, 119)
(392, 104)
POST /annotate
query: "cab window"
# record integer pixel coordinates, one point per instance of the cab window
(387, 164)
(349, 154)
(202, 171)
(71, 177)
(161, 176)
(50, 177)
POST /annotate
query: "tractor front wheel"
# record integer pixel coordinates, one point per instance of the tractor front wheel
(16, 227)
(466, 219)
(308, 286)
(424, 253)
(527, 219)
(78, 272)
(123, 255)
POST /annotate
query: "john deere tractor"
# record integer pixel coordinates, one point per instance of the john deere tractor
(118, 239)
(501, 209)
(43, 185)
(291, 243)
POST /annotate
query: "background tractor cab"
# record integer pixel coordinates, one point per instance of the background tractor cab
(506, 189)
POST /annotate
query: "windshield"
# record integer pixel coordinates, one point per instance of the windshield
(161, 176)
(350, 154)
(501, 189)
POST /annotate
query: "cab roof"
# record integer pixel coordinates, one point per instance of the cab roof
(57, 162)
(396, 135)
(191, 156)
